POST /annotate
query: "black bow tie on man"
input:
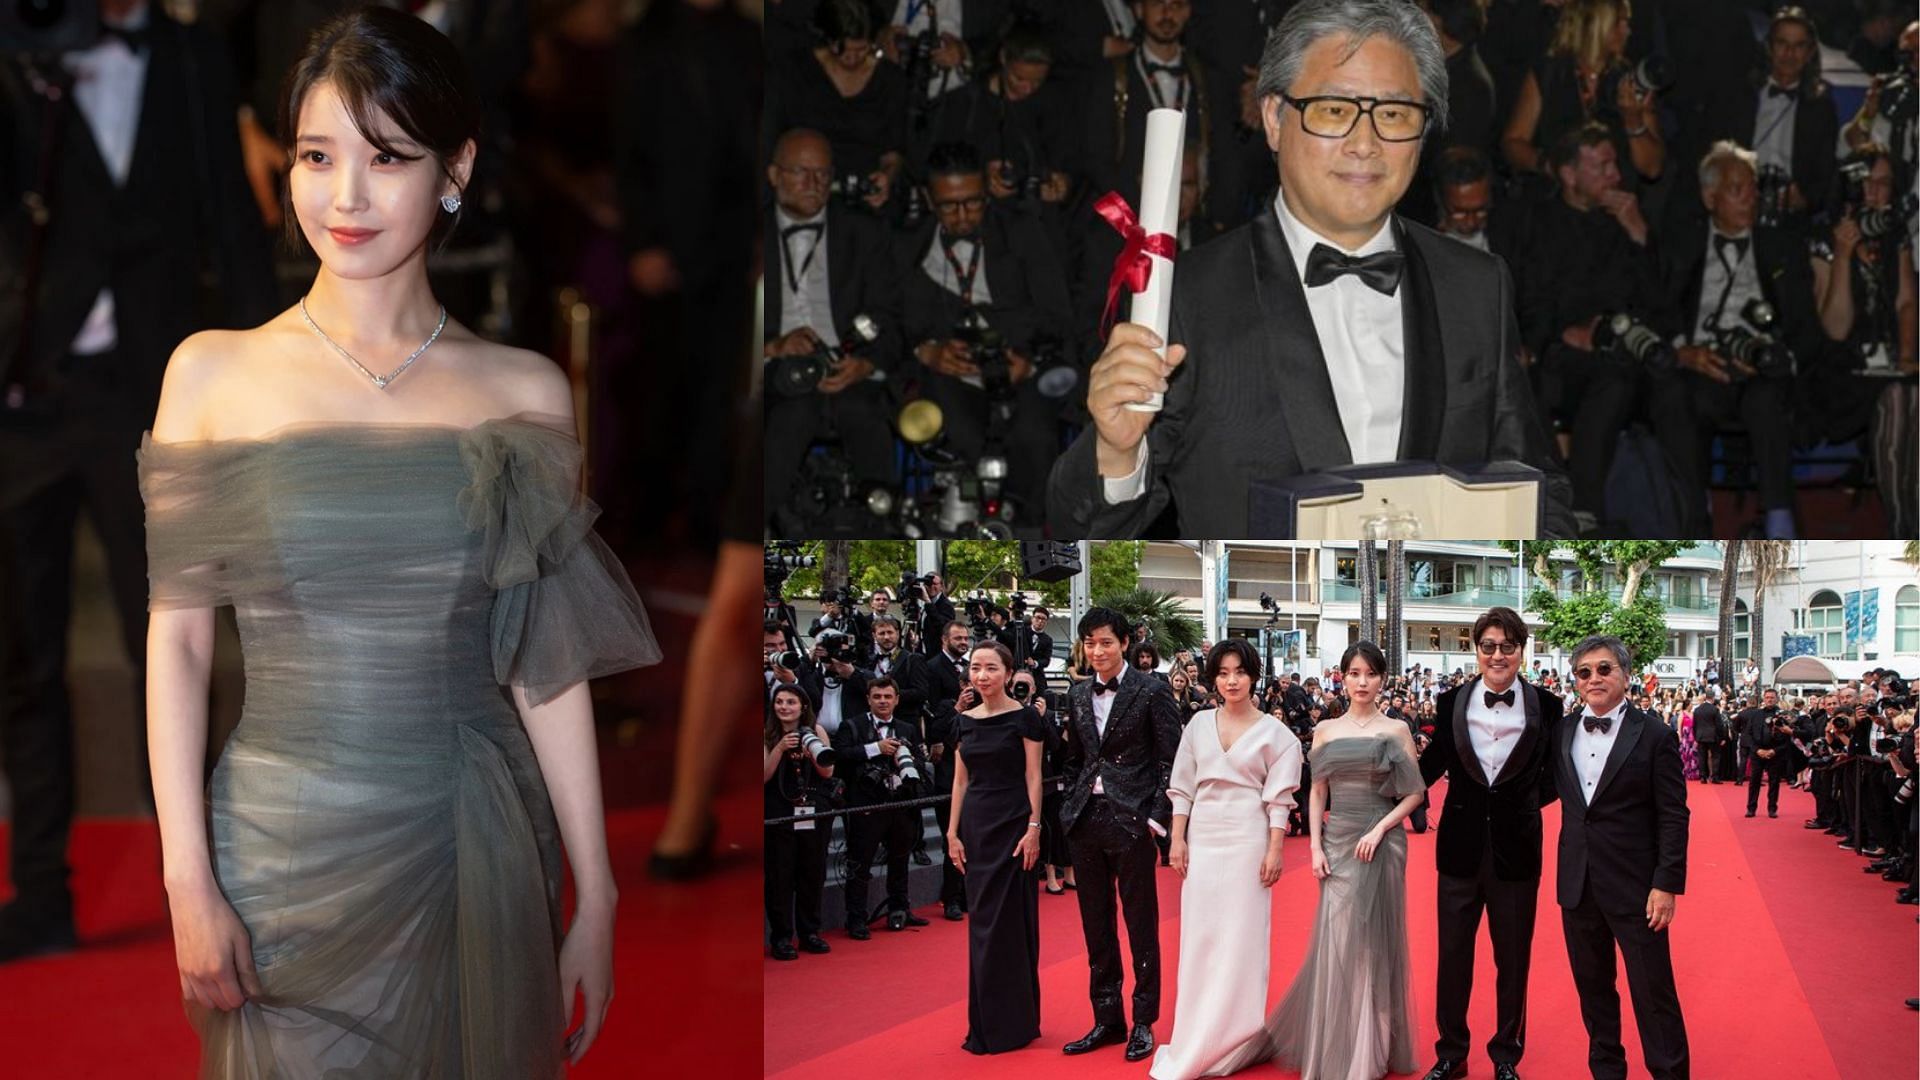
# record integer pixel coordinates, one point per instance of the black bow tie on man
(1102, 687)
(1177, 69)
(1504, 697)
(1776, 90)
(136, 38)
(1600, 724)
(1381, 270)
(1737, 243)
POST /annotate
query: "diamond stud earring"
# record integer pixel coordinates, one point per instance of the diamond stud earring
(450, 203)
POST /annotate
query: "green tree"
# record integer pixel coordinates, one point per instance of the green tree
(1638, 619)
(1172, 629)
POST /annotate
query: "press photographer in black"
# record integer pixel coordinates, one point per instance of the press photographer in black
(947, 693)
(1016, 118)
(827, 267)
(1784, 111)
(843, 687)
(982, 291)
(1765, 740)
(840, 86)
(885, 758)
(796, 776)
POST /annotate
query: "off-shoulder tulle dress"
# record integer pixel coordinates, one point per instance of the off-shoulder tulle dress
(378, 819)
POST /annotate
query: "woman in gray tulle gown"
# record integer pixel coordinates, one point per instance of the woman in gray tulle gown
(371, 886)
(1348, 1014)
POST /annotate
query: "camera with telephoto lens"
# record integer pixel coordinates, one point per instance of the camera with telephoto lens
(978, 607)
(1878, 221)
(1772, 186)
(1627, 336)
(837, 647)
(820, 752)
(1022, 690)
(903, 765)
(798, 376)
(988, 351)
(1653, 74)
(1752, 343)
(913, 587)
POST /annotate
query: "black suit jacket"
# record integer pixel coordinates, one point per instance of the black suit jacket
(1708, 727)
(1502, 811)
(181, 211)
(1253, 399)
(911, 674)
(943, 689)
(1633, 837)
(1212, 107)
(1756, 731)
(1134, 761)
(1816, 130)
(850, 750)
(860, 280)
(1028, 291)
(1786, 281)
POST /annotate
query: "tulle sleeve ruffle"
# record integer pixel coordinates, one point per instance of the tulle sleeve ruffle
(564, 610)
(204, 528)
(1402, 773)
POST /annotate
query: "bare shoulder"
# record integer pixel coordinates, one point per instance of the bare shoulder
(200, 372)
(522, 381)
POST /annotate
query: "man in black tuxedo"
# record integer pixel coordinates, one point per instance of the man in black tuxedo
(1710, 735)
(1622, 861)
(946, 686)
(1493, 738)
(1786, 114)
(979, 259)
(1118, 761)
(864, 747)
(145, 200)
(1764, 747)
(1315, 331)
(826, 266)
(936, 611)
(1717, 268)
(1039, 647)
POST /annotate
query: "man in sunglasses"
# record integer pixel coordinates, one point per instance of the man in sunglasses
(1623, 860)
(1493, 738)
(1326, 331)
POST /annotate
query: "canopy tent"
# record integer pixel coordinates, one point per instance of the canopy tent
(1814, 669)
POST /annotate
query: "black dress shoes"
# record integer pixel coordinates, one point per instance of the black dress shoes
(1446, 1069)
(1749, 813)
(1505, 1072)
(897, 920)
(1814, 823)
(814, 943)
(912, 919)
(1101, 1035)
(953, 912)
(27, 931)
(1773, 813)
(1140, 1042)
(784, 950)
(921, 858)
(859, 932)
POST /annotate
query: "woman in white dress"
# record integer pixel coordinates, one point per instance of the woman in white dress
(1233, 782)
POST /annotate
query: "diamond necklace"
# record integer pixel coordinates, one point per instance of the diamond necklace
(380, 381)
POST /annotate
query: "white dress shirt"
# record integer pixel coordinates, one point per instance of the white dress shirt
(935, 263)
(1166, 89)
(943, 17)
(1364, 343)
(1590, 749)
(1102, 705)
(1773, 127)
(1739, 283)
(110, 81)
(830, 715)
(804, 257)
(1494, 731)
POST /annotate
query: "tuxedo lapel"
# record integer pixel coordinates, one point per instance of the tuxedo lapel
(1424, 401)
(1132, 685)
(1463, 734)
(1530, 699)
(1293, 352)
(1632, 723)
(841, 270)
(1571, 779)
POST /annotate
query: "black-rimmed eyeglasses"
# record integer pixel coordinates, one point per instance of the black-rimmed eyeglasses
(1332, 117)
(1504, 648)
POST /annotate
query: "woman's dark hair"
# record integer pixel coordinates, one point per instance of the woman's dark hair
(1240, 647)
(954, 159)
(1368, 651)
(382, 61)
(1462, 20)
(1095, 618)
(774, 731)
(847, 20)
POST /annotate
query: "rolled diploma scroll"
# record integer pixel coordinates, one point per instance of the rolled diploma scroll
(1159, 213)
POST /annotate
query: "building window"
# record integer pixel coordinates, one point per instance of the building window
(1463, 640)
(1345, 571)
(1906, 620)
(1742, 631)
(1827, 622)
(1433, 638)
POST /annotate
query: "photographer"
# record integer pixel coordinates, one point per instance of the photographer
(785, 666)
(833, 614)
(841, 88)
(885, 762)
(1746, 302)
(1765, 740)
(1863, 279)
(1055, 859)
(1587, 254)
(1823, 758)
(936, 611)
(843, 687)
(1015, 118)
(826, 265)
(1785, 112)
(947, 693)
(982, 288)
(796, 778)
(1035, 648)
(1892, 101)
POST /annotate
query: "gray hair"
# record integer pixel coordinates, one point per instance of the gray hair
(1596, 642)
(1399, 21)
(1714, 164)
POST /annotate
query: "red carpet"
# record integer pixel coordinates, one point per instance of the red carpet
(1759, 996)
(684, 957)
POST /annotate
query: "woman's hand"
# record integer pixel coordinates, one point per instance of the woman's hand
(586, 964)
(1368, 843)
(957, 853)
(1177, 854)
(1270, 866)
(1320, 870)
(212, 948)
(1027, 850)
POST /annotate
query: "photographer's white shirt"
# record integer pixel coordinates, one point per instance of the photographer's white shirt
(830, 715)
(803, 257)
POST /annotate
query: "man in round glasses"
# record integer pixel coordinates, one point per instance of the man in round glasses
(1622, 862)
(1493, 738)
(1325, 332)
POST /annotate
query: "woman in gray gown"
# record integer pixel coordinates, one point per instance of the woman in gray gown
(1347, 1015)
(369, 887)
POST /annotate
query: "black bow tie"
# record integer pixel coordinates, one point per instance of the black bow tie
(1381, 270)
(1495, 699)
(1177, 68)
(1776, 90)
(136, 38)
(813, 227)
(1102, 687)
(1737, 243)
(1598, 723)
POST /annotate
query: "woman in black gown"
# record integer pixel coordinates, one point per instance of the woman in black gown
(995, 841)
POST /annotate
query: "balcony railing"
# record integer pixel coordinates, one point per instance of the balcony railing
(1450, 595)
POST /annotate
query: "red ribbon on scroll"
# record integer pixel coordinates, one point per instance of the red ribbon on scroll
(1133, 267)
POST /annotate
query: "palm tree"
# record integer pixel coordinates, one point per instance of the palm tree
(1729, 583)
(1768, 559)
(1396, 573)
(836, 557)
(1368, 572)
(1169, 626)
